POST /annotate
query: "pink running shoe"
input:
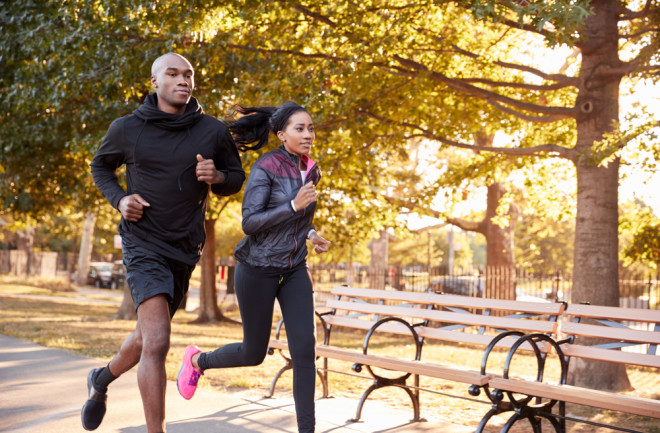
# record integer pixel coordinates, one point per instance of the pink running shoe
(186, 381)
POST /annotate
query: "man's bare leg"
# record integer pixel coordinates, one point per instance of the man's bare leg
(153, 326)
(128, 355)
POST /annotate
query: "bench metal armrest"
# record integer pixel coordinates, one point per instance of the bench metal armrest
(475, 390)
(534, 339)
(324, 325)
(357, 367)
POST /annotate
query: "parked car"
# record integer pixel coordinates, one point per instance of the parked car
(472, 286)
(100, 274)
(106, 274)
(457, 285)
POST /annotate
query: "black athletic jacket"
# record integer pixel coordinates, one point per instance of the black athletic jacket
(159, 150)
(276, 235)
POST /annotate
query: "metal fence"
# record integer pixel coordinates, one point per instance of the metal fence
(638, 290)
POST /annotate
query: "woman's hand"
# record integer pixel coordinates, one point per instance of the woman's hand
(320, 245)
(306, 195)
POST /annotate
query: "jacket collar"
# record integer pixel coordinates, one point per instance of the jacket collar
(309, 162)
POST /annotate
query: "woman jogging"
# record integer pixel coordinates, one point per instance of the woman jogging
(278, 208)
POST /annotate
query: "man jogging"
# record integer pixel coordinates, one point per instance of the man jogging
(172, 152)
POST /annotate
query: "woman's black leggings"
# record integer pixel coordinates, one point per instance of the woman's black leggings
(256, 296)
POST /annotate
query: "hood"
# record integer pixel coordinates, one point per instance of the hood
(149, 112)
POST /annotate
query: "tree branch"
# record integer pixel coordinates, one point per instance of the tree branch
(537, 119)
(539, 150)
(521, 26)
(654, 69)
(315, 15)
(560, 78)
(607, 71)
(560, 112)
(526, 27)
(514, 85)
(289, 52)
(627, 15)
(640, 33)
(554, 113)
(467, 225)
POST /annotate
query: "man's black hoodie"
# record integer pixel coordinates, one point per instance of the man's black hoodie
(160, 152)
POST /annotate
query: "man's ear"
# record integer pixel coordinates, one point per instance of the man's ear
(154, 81)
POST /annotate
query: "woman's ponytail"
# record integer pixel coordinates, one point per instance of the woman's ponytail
(251, 130)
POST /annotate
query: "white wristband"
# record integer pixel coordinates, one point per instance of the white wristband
(293, 206)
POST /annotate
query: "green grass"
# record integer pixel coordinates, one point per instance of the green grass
(35, 285)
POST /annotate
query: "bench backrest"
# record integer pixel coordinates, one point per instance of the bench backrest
(625, 335)
(444, 317)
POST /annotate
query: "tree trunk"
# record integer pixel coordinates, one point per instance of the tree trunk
(25, 243)
(230, 279)
(85, 248)
(500, 262)
(595, 265)
(208, 292)
(127, 308)
(379, 258)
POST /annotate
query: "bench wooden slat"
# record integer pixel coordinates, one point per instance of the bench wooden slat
(614, 313)
(611, 333)
(479, 339)
(589, 397)
(611, 355)
(429, 332)
(446, 316)
(394, 364)
(553, 308)
(278, 344)
(394, 327)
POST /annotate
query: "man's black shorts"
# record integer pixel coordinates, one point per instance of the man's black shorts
(150, 274)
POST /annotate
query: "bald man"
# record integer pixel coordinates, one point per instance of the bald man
(173, 153)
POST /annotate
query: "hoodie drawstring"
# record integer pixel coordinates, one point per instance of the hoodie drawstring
(135, 163)
(178, 179)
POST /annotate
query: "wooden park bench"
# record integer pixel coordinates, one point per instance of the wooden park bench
(535, 399)
(423, 317)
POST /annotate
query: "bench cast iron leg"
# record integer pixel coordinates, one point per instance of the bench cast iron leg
(288, 366)
(532, 414)
(534, 417)
(323, 376)
(559, 426)
(358, 412)
(484, 421)
(413, 398)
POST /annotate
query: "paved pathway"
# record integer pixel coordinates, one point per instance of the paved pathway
(43, 389)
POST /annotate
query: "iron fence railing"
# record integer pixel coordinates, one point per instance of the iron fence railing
(637, 289)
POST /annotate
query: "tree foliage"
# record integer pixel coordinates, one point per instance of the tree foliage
(640, 230)
(397, 71)
(376, 75)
